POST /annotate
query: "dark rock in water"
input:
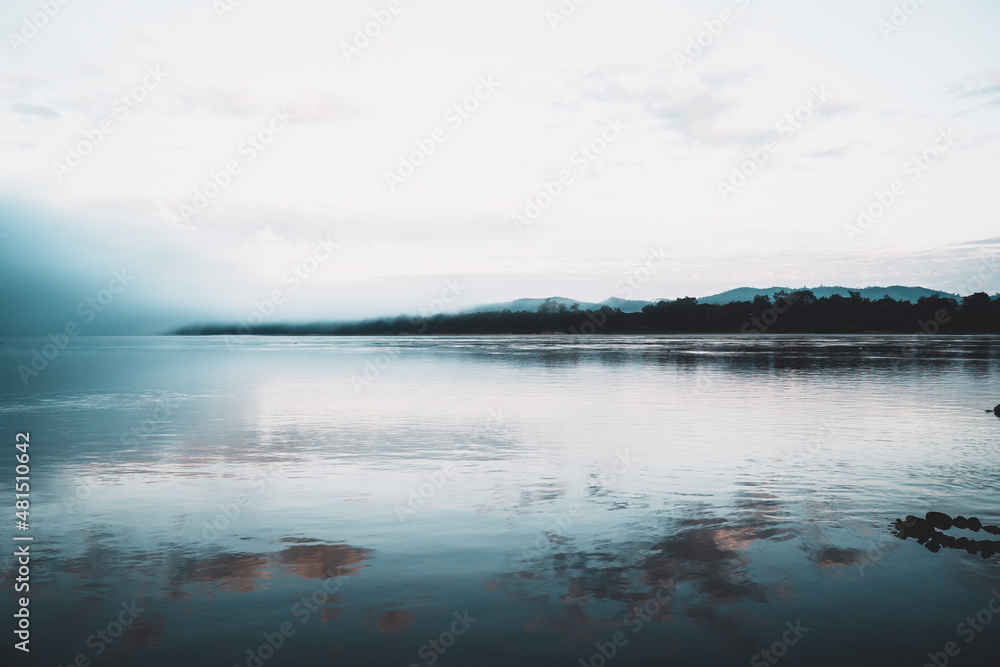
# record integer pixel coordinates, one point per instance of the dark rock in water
(939, 520)
(929, 533)
(913, 527)
(996, 411)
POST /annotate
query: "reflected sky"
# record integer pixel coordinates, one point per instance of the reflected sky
(694, 494)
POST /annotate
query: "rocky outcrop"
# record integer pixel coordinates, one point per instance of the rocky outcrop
(928, 532)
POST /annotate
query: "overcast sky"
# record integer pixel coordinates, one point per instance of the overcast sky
(835, 99)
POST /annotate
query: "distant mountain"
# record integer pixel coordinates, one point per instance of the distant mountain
(897, 292)
(532, 305)
(628, 305)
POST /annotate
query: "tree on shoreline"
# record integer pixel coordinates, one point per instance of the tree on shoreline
(799, 312)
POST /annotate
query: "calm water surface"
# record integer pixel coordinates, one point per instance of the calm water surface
(504, 501)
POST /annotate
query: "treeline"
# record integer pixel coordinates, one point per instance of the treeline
(797, 312)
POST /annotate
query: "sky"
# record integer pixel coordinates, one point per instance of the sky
(205, 160)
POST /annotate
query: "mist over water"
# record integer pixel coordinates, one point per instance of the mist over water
(506, 500)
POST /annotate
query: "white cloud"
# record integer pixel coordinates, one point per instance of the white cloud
(656, 184)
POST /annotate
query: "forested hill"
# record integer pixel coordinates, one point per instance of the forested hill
(798, 312)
